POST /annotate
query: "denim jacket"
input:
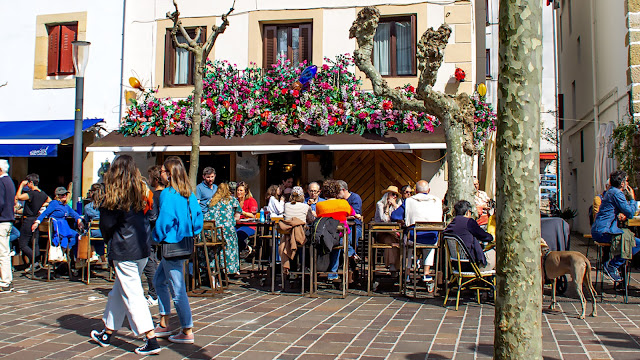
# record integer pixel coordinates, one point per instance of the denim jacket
(613, 203)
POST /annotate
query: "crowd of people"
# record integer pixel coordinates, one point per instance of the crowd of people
(148, 225)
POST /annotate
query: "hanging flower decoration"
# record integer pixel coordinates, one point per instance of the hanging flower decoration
(459, 74)
(256, 101)
(485, 121)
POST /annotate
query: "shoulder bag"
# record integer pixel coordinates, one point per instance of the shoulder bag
(182, 249)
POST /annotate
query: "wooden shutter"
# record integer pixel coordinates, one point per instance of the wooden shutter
(67, 36)
(53, 54)
(169, 59)
(269, 46)
(306, 39)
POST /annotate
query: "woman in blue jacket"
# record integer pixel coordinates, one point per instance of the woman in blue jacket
(605, 226)
(180, 216)
(58, 211)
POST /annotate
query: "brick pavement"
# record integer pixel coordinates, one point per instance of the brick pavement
(53, 321)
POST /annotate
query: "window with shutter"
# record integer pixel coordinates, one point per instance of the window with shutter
(394, 46)
(292, 42)
(60, 49)
(178, 62)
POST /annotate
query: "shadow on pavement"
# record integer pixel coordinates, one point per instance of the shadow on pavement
(126, 341)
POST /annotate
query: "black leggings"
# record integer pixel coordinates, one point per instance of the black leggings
(26, 238)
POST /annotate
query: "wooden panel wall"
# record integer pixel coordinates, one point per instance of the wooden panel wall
(369, 172)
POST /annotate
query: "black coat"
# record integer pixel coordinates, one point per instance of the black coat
(323, 235)
(471, 233)
(127, 234)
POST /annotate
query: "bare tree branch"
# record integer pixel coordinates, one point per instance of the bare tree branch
(5, 84)
(217, 30)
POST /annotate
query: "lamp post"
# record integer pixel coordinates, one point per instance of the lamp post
(80, 59)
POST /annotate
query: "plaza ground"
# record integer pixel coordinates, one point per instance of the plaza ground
(52, 320)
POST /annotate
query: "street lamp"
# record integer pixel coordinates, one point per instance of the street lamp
(80, 59)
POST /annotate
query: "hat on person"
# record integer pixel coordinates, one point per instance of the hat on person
(391, 189)
(61, 190)
(297, 191)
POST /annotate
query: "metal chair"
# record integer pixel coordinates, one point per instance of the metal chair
(459, 265)
(420, 226)
(373, 247)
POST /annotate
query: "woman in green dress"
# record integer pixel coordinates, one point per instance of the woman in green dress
(224, 209)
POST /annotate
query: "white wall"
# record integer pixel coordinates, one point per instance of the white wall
(102, 77)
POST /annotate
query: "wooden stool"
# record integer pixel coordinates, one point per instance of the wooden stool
(600, 246)
(313, 292)
(412, 271)
(373, 246)
(589, 242)
(215, 241)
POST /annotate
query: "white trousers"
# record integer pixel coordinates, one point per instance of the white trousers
(127, 298)
(6, 276)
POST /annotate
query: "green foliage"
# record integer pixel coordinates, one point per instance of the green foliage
(567, 213)
(624, 151)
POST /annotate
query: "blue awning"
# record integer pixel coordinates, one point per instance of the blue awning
(36, 138)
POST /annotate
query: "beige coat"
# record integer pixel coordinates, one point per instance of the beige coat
(291, 237)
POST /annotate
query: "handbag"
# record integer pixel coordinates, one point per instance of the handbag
(56, 254)
(183, 248)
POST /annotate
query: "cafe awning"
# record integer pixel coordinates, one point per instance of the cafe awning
(36, 138)
(116, 142)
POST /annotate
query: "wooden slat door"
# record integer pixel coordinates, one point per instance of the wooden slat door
(368, 173)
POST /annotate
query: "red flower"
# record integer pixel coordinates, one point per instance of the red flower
(225, 104)
(293, 106)
(296, 93)
(390, 123)
(284, 91)
(148, 112)
(387, 105)
(460, 75)
(220, 123)
(339, 123)
(263, 123)
(153, 129)
(411, 89)
(238, 117)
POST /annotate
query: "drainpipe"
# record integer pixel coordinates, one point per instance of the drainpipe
(596, 120)
(124, 10)
(556, 89)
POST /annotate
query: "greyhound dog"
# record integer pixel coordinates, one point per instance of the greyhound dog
(558, 263)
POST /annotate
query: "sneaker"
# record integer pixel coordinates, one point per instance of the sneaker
(182, 338)
(101, 337)
(12, 253)
(611, 271)
(163, 332)
(36, 267)
(150, 347)
(427, 278)
(151, 301)
(332, 276)
(244, 253)
(94, 257)
(6, 289)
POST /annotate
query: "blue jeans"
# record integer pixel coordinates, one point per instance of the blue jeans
(171, 271)
(334, 257)
(618, 260)
(244, 232)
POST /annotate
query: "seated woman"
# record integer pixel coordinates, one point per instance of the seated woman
(472, 234)
(297, 214)
(605, 227)
(95, 195)
(275, 201)
(249, 207)
(224, 209)
(58, 211)
(337, 209)
(389, 202)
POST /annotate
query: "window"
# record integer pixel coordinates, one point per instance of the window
(178, 62)
(292, 42)
(487, 69)
(60, 49)
(394, 46)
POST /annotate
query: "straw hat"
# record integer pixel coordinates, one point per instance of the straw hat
(391, 189)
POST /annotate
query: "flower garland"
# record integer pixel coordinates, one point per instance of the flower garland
(485, 121)
(248, 102)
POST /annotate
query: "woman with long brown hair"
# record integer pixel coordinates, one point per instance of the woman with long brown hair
(125, 228)
(224, 209)
(249, 207)
(180, 217)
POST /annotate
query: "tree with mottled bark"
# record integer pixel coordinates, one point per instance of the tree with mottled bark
(200, 53)
(519, 285)
(454, 111)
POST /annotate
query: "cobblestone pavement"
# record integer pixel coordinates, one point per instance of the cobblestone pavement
(53, 320)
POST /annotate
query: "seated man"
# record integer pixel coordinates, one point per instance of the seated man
(482, 203)
(605, 227)
(472, 234)
(422, 207)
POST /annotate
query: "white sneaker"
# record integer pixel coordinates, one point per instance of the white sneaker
(151, 301)
(94, 257)
(12, 253)
(36, 267)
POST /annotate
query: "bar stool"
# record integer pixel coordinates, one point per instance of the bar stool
(600, 246)
(373, 246)
(417, 227)
(211, 238)
(275, 241)
(313, 292)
